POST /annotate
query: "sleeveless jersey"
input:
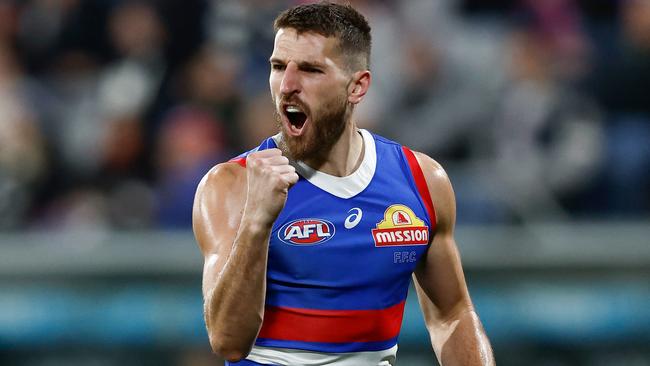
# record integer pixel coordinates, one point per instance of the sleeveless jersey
(340, 260)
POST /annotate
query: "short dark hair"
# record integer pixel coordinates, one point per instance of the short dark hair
(332, 20)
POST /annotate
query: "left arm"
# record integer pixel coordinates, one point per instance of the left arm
(456, 333)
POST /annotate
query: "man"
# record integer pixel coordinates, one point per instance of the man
(311, 239)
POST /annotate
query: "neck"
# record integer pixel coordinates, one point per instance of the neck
(345, 156)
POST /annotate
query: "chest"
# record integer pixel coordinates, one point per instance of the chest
(371, 239)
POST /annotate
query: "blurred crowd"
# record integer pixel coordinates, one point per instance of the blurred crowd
(111, 111)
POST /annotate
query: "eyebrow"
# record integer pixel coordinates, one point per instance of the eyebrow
(301, 64)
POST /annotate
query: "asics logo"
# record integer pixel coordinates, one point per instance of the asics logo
(354, 218)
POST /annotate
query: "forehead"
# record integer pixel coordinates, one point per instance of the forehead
(307, 46)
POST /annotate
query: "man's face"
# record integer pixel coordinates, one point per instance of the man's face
(309, 88)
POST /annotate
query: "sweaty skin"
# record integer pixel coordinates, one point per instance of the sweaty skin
(233, 215)
(456, 333)
(235, 207)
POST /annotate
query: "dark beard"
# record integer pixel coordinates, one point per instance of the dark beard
(325, 131)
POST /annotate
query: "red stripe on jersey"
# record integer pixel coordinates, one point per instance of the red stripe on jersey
(241, 161)
(331, 326)
(421, 184)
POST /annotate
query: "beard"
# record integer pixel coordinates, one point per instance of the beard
(326, 126)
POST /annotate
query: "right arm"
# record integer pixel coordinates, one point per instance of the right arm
(234, 211)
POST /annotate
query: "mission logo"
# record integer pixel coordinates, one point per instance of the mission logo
(306, 232)
(399, 227)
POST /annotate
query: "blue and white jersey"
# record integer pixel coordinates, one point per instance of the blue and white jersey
(341, 255)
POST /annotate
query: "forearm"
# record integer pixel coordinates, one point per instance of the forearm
(234, 306)
(466, 344)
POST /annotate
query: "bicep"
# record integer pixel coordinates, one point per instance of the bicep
(439, 275)
(440, 280)
(218, 206)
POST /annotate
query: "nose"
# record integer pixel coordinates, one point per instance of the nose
(290, 80)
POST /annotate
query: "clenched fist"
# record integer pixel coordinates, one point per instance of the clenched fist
(269, 177)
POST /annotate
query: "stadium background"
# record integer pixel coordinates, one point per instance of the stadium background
(111, 111)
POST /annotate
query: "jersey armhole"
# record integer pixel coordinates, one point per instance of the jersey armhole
(421, 185)
(241, 160)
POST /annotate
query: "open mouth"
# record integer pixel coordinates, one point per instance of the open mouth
(296, 118)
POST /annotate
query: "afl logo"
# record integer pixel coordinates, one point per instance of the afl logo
(306, 232)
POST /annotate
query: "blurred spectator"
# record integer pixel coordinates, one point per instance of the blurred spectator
(8, 22)
(210, 81)
(244, 28)
(258, 120)
(128, 86)
(622, 84)
(559, 25)
(77, 129)
(191, 141)
(22, 147)
(623, 76)
(436, 78)
(439, 104)
(42, 23)
(548, 139)
(97, 95)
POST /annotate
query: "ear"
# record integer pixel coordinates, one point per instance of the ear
(358, 86)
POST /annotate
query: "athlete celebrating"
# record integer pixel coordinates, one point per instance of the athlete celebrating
(311, 239)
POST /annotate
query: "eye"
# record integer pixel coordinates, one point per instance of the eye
(313, 70)
(277, 67)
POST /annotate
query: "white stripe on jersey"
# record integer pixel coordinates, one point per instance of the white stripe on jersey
(289, 356)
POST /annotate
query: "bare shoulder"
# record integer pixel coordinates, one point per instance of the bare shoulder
(218, 204)
(221, 183)
(432, 169)
(440, 189)
(223, 174)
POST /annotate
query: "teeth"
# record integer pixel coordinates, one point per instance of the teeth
(293, 109)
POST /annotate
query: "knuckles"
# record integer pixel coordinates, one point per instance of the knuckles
(252, 162)
(271, 167)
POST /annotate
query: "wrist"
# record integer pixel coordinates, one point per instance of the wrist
(256, 223)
